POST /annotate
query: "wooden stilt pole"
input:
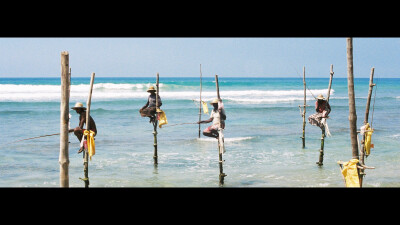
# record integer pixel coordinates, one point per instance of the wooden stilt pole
(200, 100)
(155, 156)
(352, 111)
(323, 135)
(321, 151)
(64, 120)
(86, 152)
(222, 175)
(371, 86)
(362, 152)
(304, 109)
(330, 84)
(352, 104)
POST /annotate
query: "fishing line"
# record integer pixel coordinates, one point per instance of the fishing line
(47, 135)
(177, 124)
(306, 82)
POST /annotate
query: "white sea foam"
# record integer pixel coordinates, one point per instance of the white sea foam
(111, 91)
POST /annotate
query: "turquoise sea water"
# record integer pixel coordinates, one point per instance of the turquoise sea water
(262, 135)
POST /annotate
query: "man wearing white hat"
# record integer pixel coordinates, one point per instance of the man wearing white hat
(149, 110)
(323, 109)
(78, 131)
(217, 118)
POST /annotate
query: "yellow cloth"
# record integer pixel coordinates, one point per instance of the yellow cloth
(90, 142)
(205, 107)
(350, 173)
(162, 118)
(368, 134)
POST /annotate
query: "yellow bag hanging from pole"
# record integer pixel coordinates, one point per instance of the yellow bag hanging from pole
(350, 173)
(162, 118)
(90, 142)
(205, 107)
(368, 134)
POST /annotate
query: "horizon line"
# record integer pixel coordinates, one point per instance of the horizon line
(191, 77)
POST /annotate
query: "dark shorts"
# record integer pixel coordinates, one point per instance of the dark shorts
(148, 112)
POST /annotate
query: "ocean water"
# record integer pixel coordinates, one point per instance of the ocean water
(262, 134)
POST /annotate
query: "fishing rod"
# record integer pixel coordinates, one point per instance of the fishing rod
(69, 131)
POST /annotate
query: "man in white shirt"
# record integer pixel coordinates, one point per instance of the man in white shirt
(217, 118)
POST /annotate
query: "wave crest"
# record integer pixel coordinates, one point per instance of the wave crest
(112, 91)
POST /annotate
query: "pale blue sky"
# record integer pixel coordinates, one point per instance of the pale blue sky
(181, 57)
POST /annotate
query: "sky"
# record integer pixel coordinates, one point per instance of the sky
(181, 57)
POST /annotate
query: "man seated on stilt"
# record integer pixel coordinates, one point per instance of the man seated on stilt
(217, 118)
(322, 109)
(149, 110)
(78, 131)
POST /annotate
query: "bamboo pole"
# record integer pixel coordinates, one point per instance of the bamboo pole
(222, 175)
(64, 120)
(321, 151)
(304, 108)
(371, 86)
(352, 104)
(155, 156)
(86, 153)
(200, 100)
(323, 135)
(330, 83)
(362, 152)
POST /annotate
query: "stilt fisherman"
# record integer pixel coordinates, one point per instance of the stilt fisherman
(217, 118)
(78, 131)
(149, 110)
(322, 109)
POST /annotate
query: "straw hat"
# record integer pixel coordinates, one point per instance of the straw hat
(321, 97)
(214, 101)
(151, 88)
(78, 105)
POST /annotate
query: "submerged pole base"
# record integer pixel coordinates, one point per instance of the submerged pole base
(321, 151)
(86, 180)
(221, 178)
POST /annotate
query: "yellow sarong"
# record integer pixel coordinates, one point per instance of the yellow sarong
(368, 134)
(90, 142)
(205, 107)
(162, 118)
(350, 173)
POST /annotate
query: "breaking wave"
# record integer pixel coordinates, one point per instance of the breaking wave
(111, 91)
